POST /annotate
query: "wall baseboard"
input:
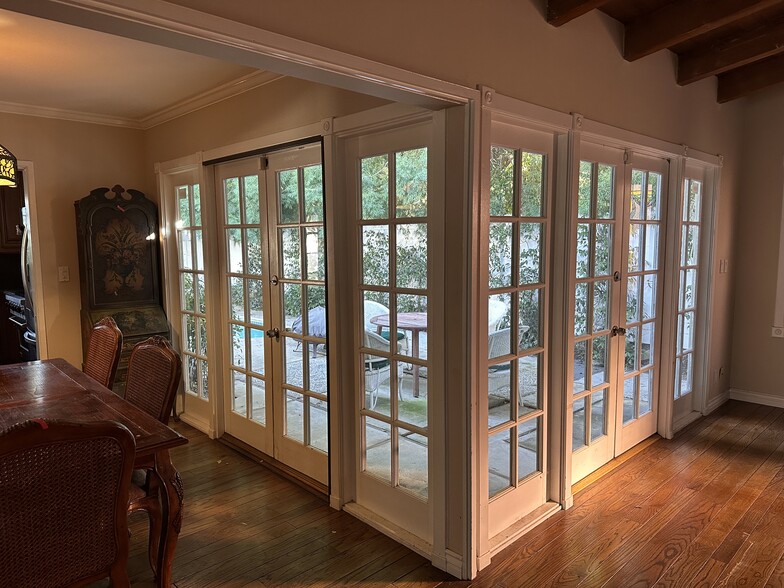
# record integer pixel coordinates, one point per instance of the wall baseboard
(688, 419)
(454, 564)
(757, 397)
(717, 402)
(197, 423)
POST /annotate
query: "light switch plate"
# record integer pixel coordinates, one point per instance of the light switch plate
(63, 274)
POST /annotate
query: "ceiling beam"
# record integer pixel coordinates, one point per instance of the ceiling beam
(713, 60)
(682, 20)
(560, 12)
(750, 78)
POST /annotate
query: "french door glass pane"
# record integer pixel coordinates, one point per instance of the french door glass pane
(239, 393)
(602, 261)
(529, 327)
(601, 306)
(411, 183)
(375, 187)
(258, 397)
(412, 451)
(502, 160)
(411, 255)
(528, 437)
(500, 461)
(375, 255)
(288, 196)
(317, 419)
(295, 419)
(500, 255)
(598, 414)
(378, 449)
(529, 384)
(530, 253)
(579, 412)
(532, 184)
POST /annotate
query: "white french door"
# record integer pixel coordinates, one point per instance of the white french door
(274, 305)
(518, 235)
(687, 376)
(186, 256)
(617, 303)
(396, 200)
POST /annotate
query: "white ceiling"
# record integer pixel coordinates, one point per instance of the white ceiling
(59, 70)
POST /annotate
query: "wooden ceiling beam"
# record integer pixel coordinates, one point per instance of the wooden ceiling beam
(682, 20)
(560, 12)
(741, 51)
(750, 78)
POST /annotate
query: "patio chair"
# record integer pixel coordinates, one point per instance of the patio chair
(103, 352)
(498, 345)
(65, 495)
(375, 365)
(374, 309)
(496, 311)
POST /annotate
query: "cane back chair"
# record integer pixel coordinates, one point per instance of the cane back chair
(103, 352)
(64, 489)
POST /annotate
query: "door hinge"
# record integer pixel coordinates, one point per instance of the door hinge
(626, 156)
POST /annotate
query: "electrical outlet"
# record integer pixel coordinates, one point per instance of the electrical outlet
(63, 274)
(721, 371)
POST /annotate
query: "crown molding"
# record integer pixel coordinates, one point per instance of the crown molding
(208, 98)
(68, 115)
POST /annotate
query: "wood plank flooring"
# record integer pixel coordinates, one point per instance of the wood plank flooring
(704, 509)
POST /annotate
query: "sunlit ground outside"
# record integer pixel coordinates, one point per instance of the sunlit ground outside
(413, 410)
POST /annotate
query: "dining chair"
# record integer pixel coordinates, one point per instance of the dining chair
(154, 374)
(64, 506)
(103, 352)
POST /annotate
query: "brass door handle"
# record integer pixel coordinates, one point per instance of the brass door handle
(617, 331)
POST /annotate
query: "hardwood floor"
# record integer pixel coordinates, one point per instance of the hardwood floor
(705, 509)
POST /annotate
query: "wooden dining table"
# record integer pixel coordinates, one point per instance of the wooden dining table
(55, 390)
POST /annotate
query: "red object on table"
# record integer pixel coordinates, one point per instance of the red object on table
(54, 389)
(408, 321)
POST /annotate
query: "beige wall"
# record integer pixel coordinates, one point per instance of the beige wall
(69, 160)
(507, 45)
(758, 358)
(279, 106)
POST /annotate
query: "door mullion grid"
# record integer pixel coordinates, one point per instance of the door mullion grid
(684, 225)
(303, 254)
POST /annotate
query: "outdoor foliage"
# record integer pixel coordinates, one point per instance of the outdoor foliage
(408, 201)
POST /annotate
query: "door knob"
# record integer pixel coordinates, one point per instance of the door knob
(617, 331)
(274, 334)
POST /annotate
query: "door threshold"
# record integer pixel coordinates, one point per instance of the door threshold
(300, 479)
(613, 463)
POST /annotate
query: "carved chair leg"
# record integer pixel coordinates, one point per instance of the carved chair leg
(154, 516)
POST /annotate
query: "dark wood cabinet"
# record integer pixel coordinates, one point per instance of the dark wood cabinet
(117, 235)
(11, 203)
